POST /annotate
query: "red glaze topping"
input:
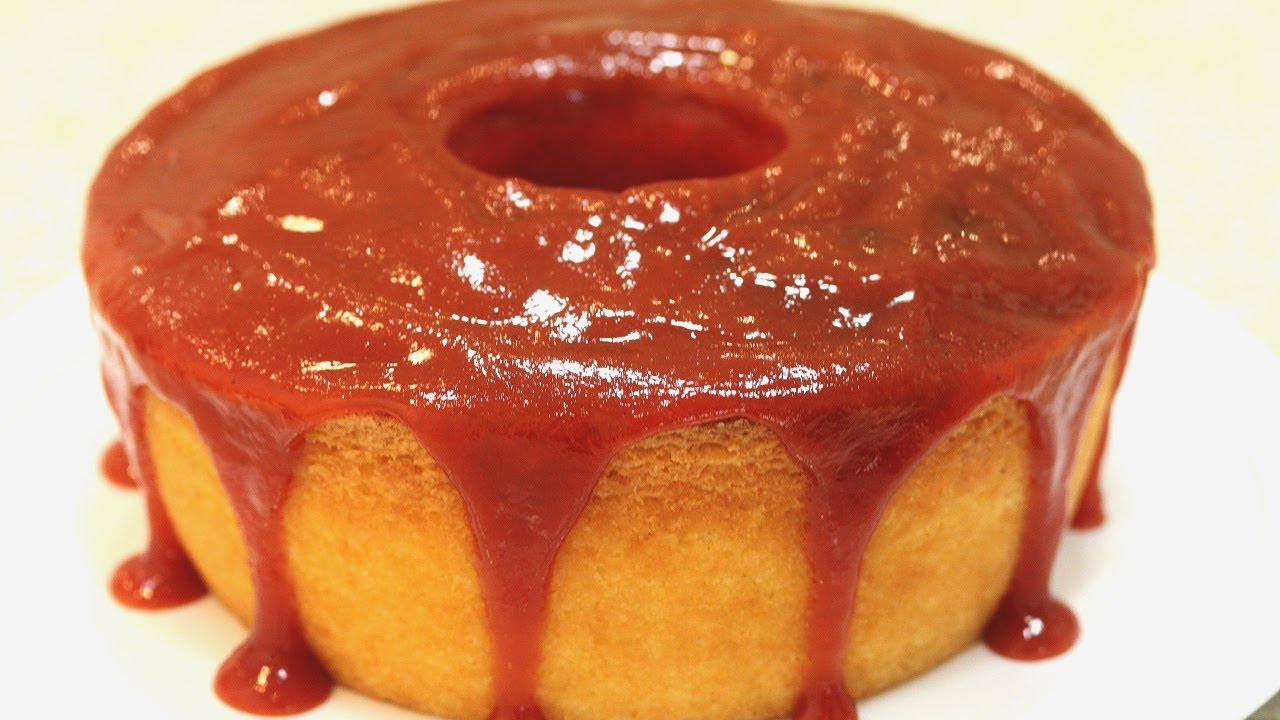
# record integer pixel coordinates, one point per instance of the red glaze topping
(161, 576)
(538, 236)
(115, 467)
(1090, 513)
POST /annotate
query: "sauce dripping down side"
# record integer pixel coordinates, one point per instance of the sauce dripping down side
(161, 576)
(115, 467)
(855, 459)
(273, 671)
(254, 451)
(518, 533)
(1090, 513)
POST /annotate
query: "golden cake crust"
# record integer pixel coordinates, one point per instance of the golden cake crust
(681, 591)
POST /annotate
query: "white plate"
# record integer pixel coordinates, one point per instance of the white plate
(1177, 594)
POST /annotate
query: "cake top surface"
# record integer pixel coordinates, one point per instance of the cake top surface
(472, 204)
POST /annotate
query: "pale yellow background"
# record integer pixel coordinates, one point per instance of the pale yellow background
(1193, 86)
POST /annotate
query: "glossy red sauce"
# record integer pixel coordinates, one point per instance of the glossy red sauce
(1090, 511)
(537, 236)
(161, 576)
(612, 135)
(115, 467)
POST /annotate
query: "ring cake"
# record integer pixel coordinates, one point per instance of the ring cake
(645, 359)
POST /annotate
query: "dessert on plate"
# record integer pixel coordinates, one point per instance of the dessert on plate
(653, 359)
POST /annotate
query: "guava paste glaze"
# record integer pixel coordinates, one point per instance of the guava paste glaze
(536, 236)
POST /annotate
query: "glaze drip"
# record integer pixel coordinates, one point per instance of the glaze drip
(273, 671)
(517, 532)
(825, 701)
(115, 467)
(161, 576)
(1090, 513)
(313, 231)
(855, 459)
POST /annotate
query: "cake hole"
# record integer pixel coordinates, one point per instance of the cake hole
(612, 135)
